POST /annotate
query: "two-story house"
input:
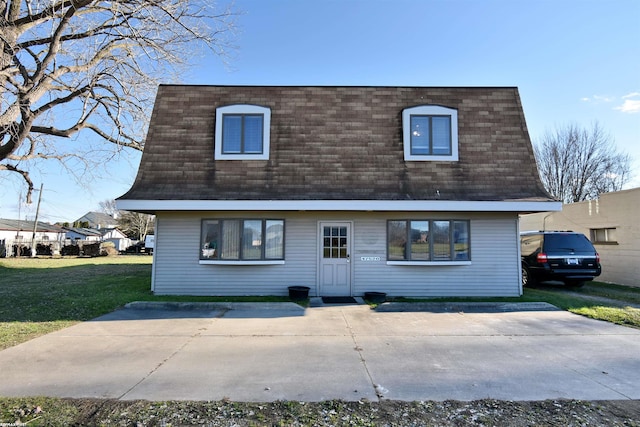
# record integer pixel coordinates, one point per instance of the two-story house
(412, 191)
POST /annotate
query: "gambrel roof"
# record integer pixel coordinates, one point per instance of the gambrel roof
(337, 143)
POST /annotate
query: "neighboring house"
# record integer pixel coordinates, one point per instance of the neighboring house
(84, 234)
(101, 228)
(14, 232)
(611, 222)
(117, 237)
(412, 191)
(112, 233)
(97, 220)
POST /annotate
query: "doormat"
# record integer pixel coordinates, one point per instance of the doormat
(339, 300)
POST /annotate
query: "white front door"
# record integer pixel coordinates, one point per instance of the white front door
(335, 261)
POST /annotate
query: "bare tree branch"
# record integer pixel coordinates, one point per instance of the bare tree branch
(89, 68)
(109, 207)
(23, 174)
(136, 225)
(578, 164)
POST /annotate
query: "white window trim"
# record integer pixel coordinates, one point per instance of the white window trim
(433, 263)
(243, 262)
(451, 261)
(240, 261)
(243, 109)
(429, 110)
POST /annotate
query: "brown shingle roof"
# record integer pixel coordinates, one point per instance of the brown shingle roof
(337, 143)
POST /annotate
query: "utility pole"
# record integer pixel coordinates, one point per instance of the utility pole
(19, 219)
(18, 241)
(35, 224)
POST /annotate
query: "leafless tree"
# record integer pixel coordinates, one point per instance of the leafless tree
(75, 74)
(135, 225)
(578, 164)
(109, 207)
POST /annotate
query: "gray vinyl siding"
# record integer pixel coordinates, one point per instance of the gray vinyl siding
(494, 268)
(178, 271)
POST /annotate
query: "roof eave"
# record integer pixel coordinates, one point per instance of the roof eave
(520, 205)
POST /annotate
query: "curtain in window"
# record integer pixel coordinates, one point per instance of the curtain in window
(230, 239)
(237, 239)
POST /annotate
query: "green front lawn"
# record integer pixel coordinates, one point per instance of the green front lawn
(578, 301)
(38, 296)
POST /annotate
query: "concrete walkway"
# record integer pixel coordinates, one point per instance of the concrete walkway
(281, 351)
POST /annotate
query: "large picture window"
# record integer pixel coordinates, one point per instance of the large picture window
(430, 132)
(428, 240)
(242, 239)
(242, 132)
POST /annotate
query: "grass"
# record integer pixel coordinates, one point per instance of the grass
(607, 290)
(628, 316)
(586, 301)
(38, 296)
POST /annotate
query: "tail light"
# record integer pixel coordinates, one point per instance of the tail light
(597, 258)
(541, 258)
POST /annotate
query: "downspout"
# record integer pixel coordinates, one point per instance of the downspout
(519, 252)
(544, 221)
(154, 257)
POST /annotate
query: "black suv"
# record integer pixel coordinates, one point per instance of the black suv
(558, 255)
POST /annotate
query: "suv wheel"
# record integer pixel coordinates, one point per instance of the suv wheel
(527, 279)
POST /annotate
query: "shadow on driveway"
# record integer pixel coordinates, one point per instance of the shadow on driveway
(277, 351)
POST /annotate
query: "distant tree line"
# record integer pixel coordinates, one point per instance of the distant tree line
(76, 224)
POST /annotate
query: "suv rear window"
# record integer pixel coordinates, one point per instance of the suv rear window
(567, 243)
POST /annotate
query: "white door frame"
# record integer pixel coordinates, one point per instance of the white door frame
(319, 247)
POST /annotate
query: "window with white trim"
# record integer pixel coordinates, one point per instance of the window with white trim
(242, 239)
(428, 240)
(242, 132)
(430, 133)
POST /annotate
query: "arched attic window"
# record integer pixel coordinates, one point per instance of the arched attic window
(242, 132)
(430, 133)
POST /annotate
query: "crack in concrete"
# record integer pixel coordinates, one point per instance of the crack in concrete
(377, 388)
(171, 356)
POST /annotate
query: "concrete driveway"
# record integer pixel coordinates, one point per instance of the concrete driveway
(266, 352)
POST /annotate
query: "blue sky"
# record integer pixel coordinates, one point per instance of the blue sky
(573, 61)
